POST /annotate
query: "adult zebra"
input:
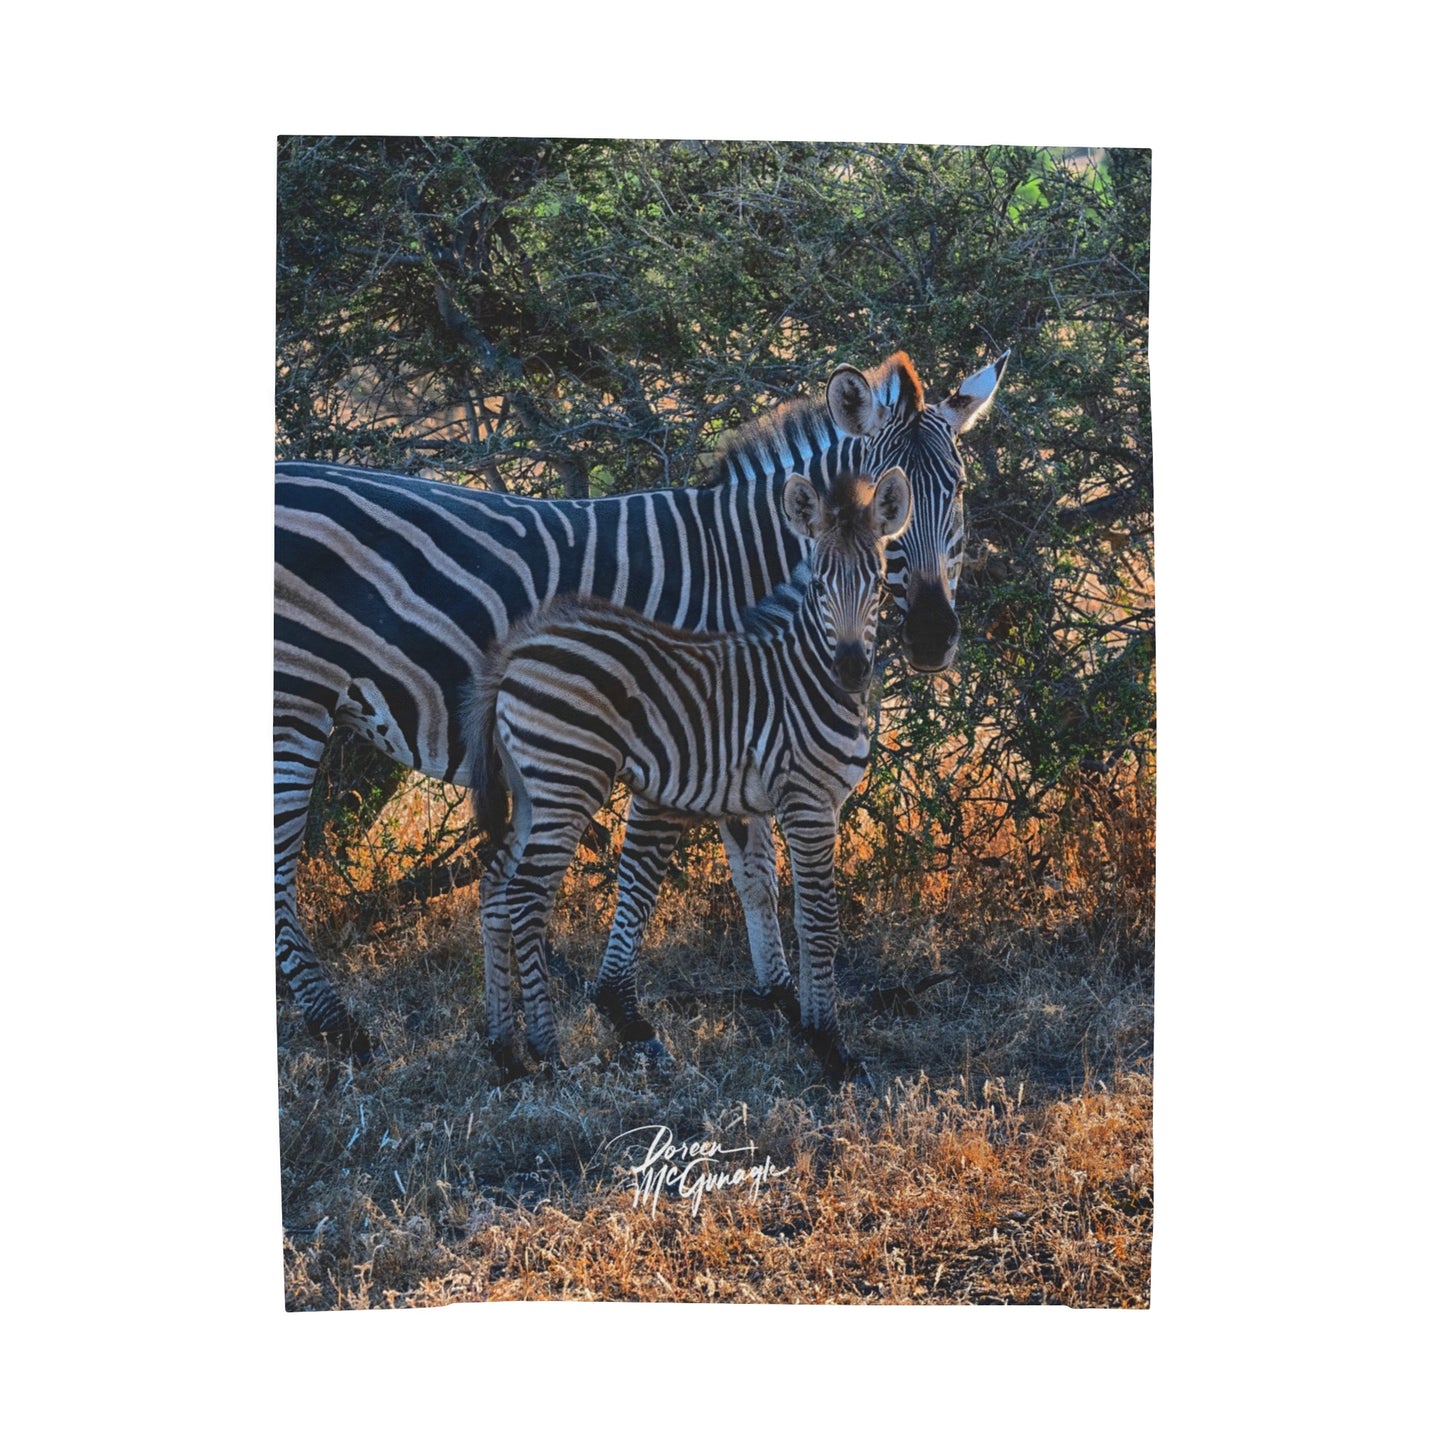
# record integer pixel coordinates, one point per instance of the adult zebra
(389, 590)
(770, 720)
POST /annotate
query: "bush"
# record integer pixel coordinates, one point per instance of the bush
(584, 317)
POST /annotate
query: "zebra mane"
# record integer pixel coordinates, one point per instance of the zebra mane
(765, 618)
(776, 611)
(573, 607)
(806, 424)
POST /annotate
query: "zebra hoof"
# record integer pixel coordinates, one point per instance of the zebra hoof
(843, 1068)
(637, 1031)
(547, 1058)
(838, 1064)
(347, 1036)
(784, 998)
(621, 1012)
(505, 1058)
(614, 1006)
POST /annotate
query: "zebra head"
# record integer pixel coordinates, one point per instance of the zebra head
(848, 531)
(885, 408)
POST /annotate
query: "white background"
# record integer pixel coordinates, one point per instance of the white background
(1293, 326)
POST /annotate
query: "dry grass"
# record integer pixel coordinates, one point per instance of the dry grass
(1004, 1155)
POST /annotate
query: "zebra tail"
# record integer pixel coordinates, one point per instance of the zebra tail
(488, 777)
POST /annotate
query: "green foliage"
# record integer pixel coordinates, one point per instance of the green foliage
(587, 317)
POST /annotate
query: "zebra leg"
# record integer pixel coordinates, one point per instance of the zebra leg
(546, 852)
(301, 727)
(753, 858)
(812, 838)
(652, 835)
(497, 955)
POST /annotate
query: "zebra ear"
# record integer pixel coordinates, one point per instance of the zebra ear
(852, 404)
(892, 504)
(974, 396)
(802, 506)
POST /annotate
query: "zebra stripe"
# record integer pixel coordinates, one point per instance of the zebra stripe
(390, 588)
(772, 720)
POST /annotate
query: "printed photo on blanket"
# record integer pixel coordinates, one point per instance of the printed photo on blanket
(714, 722)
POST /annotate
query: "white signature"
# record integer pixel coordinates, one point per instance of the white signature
(692, 1169)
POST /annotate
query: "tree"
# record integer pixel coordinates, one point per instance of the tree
(578, 316)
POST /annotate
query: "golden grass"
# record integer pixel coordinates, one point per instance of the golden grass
(917, 1197)
(1004, 1155)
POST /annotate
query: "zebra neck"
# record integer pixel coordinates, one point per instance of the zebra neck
(738, 551)
(747, 497)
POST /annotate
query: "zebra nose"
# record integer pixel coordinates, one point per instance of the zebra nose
(930, 630)
(852, 664)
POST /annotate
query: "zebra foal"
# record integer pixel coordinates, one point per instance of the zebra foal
(770, 720)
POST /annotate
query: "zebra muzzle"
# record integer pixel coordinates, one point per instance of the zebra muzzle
(853, 666)
(930, 629)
